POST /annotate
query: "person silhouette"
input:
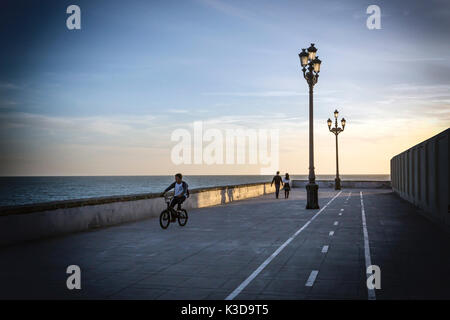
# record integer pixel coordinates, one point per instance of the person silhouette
(287, 186)
(278, 181)
(180, 194)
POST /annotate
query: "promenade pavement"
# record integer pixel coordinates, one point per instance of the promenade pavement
(260, 248)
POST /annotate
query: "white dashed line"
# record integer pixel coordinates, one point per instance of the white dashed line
(342, 209)
(244, 284)
(336, 223)
(325, 249)
(340, 213)
(348, 196)
(370, 292)
(331, 233)
(312, 278)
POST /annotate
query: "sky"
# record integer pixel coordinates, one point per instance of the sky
(108, 98)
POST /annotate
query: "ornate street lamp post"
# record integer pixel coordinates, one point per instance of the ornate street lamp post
(311, 68)
(336, 130)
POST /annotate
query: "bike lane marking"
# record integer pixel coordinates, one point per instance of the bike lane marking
(370, 292)
(348, 196)
(312, 278)
(245, 283)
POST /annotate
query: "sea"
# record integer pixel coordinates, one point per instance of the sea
(16, 191)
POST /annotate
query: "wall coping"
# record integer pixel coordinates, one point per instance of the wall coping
(72, 203)
(342, 180)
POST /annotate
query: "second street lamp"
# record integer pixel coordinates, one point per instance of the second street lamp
(336, 130)
(311, 68)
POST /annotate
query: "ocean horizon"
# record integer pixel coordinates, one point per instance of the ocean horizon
(22, 190)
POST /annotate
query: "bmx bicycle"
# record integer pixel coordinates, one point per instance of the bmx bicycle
(166, 215)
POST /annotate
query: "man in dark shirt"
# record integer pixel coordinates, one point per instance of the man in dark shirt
(278, 181)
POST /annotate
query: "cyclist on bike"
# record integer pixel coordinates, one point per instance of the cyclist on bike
(180, 194)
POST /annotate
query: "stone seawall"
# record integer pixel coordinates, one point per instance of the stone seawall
(345, 184)
(30, 222)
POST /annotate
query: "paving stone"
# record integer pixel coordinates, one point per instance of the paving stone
(222, 246)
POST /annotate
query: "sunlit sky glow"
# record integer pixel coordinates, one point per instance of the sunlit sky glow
(105, 99)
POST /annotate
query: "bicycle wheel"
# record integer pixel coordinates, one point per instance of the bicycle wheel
(182, 217)
(164, 219)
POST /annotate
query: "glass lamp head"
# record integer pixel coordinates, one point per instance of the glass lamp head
(303, 57)
(316, 64)
(312, 52)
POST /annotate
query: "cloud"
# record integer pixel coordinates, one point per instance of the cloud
(226, 8)
(7, 104)
(257, 94)
(268, 120)
(404, 59)
(422, 96)
(116, 126)
(9, 86)
(178, 111)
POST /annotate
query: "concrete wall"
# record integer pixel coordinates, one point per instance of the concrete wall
(29, 222)
(345, 184)
(420, 175)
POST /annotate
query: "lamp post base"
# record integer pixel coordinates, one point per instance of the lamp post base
(312, 197)
(337, 184)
